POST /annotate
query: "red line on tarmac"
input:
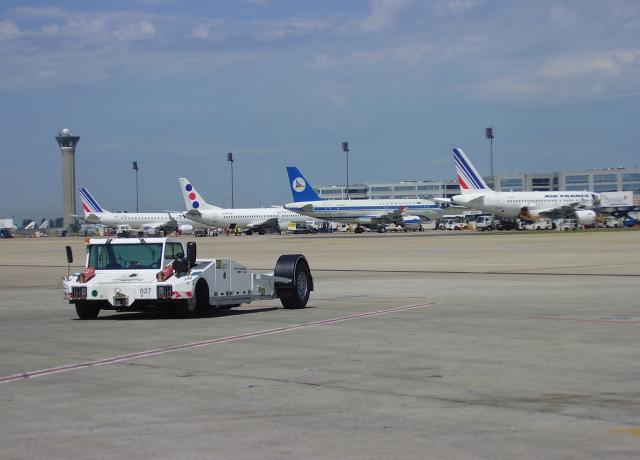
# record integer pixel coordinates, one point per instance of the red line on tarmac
(579, 320)
(159, 351)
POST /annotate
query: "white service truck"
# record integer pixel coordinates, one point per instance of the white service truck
(135, 274)
(485, 222)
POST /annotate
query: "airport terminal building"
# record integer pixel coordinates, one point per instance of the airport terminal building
(381, 191)
(594, 180)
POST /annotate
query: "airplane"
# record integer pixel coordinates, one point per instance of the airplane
(528, 206)
(33, 229)
(150, 222)
(42, 228)
(250, 219)
(375, 214)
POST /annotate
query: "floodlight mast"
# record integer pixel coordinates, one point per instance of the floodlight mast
(230, 160)
(135, 168)
(345, 149)
(488, 133)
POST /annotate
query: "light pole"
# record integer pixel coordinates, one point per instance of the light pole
(135, 168)
(230, 160)
(488, 133)
(345, 149)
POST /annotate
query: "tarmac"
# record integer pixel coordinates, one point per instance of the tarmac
(423, 345)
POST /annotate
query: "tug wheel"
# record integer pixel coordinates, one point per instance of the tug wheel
(296, 293)
(87, 310)
(197, 304)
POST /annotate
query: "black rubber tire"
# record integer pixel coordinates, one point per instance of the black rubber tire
(295, 294)
(87, 310)
(198, 303)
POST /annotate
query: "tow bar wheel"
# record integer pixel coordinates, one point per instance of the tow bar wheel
(295, 267)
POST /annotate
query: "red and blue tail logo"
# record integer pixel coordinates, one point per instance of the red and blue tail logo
(468, 177)
(89, 204)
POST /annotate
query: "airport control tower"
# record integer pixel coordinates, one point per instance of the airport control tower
(67, 144)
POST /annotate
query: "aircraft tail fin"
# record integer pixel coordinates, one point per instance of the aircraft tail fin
(192, 199)
(89, 204)
(468, 177)
(301, 189)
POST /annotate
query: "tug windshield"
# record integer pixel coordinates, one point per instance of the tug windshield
(124, 256)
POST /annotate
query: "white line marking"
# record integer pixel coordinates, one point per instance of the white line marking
(160, 351)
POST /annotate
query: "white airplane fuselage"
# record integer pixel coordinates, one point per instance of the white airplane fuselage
(510, 204)
(139, 221)
(247, 217)
(365, 211)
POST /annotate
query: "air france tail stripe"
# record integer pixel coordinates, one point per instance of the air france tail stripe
(86, 201)
(93, 203)
(462, 173)
(467, 169)
(471, 170)
(464, 170)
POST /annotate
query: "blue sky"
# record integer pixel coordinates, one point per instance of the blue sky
(177, 84)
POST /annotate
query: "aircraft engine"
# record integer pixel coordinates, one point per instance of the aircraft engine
(186, 229)
(586, 217)
(411, 222)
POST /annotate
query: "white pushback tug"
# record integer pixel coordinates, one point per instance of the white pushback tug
(134, 274)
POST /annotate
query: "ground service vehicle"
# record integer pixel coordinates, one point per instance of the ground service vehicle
(485, 222)
(612, 222)
(123, 230)
(133, 274)
(543, 223)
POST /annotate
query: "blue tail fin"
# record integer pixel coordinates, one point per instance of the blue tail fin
(301, 189)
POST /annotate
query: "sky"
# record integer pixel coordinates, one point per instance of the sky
(175, 85)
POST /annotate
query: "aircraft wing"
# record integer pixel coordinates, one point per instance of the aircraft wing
(153, 225)
(301, 209)
(268, 223)
(392, 215)
(170, 224)
(562, 212)
(193, 213)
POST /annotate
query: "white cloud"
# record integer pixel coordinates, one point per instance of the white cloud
(201, 31)
(608, 64)
(289, 27)
(339, 101)
(460, 6)
(9, 30)
(382, 14)
(39, 12)
(410, 53)
(50, 30)
(258, 2)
